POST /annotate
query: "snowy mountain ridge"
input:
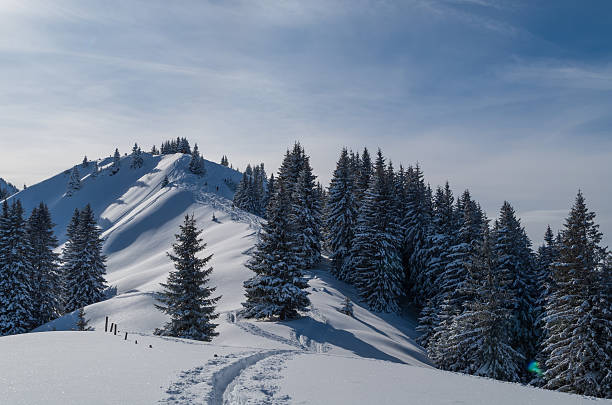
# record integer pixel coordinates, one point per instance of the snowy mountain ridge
(323, 357)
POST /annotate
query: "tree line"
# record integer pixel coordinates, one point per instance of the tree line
(38, 285)
(488, 304)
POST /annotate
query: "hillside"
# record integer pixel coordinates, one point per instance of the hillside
(324, 357)
(6, 189)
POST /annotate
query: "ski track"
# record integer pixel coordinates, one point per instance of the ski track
(225, 380)
(297, 340)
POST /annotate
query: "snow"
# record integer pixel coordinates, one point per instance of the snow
(324, 357)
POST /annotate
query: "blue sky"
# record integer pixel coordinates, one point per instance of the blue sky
(512, 99)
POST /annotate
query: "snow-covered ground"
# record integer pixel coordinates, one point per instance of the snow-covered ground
(324, 357)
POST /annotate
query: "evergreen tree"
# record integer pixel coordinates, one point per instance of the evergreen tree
(365, 172)
(481, 336)
(578, 321)
(83, 323)
(306, 218)
(95, 170)
(45, 265)
(514, 256)
(341, 215)
(375, 261)
(278, 288)
(196, 164)
(224, 161)
(183, 146)
(441, 236)
(85, 162)
(452, 293)
(84, 263)
(74, 183)
(416, 223)
(347, 307)
(187, 296)
(154, 151)
(116, 162)
(137, 160)
(17, 306)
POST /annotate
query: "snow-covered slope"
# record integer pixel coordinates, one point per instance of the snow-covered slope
(7, 187)
(324, 357)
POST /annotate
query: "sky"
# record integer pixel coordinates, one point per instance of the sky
(511, 99)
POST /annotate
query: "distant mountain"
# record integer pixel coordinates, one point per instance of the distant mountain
(6, 189)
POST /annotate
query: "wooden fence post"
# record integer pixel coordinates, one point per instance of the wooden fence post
(106, 325)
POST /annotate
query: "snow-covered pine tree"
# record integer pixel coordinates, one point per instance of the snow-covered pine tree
(362, 178)
(548, 253)
(451, 286)
(375, 264)
(481, 336)
(183, 146)
(74, 182)
(578, 322)
(116, 162)
(84, 263)
(341, 214)
(241, 194)
(416, 223)
(196, 164)
(45, 265)
(306, 218)
(154, 150)
(187, 296)
(347, 307)
(137, 160)
(259, 192)
(17, 306)
(85, 162)
(278, 288)
(95, 169)
(441, 236)
(224, 161)
(514, 255)
(82, 322)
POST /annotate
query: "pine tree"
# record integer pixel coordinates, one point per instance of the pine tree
(481, 336)
(375, 262)
(452, 293)
(116, 162)
(306, 218)
(224, 161)
(74, 183)
(95, 170)
(17, 306)
(137, 160)
(85, 162)
(45, 265)
(514, 256)
(187, 296)
(362, 180)
(83, 323)
(441, 236)
(341, 215)
(183, 146)
(154, 151)
(84, 264)
(347, 307)
(578, 322)
(416, 223)
(278, 288)
(196, 164)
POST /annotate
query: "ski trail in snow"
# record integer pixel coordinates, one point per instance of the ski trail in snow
(197, 384)
(259, 383)
(297, 340)
(220, 380)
